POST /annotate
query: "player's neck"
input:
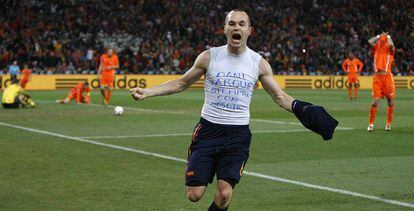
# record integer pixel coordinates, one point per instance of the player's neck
(236, 50)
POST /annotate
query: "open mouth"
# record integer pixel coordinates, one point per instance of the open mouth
(236, 37)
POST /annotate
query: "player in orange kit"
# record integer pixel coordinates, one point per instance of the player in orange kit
(77, 94)
(383, 51)
(352, 66)
(109, 63)
(26, 76)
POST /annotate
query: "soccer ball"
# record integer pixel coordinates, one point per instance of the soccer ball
(118, 110)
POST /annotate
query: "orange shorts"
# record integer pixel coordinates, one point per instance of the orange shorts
(383, 85)
(23, 83)
(107, 80)
(353, 79)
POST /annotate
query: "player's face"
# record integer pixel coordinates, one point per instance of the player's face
(109, 52)
(237, 29)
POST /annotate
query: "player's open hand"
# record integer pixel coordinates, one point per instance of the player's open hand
(137, 93)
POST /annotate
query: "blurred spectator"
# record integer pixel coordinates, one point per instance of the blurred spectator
(164, 37)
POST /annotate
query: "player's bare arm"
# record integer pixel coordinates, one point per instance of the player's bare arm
(272, 88)
(178, 85)
(373, 40)
(100, 70)
(390, 42)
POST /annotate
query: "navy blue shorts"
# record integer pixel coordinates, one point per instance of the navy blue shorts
(217, 149)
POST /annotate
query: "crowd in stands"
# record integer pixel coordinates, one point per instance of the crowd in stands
(298, 37)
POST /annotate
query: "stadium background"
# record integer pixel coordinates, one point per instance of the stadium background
(164, 37)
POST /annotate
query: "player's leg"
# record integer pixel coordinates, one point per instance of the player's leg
(349, 83)
(223, 196)
(110, 86)
(82, 99)
(201, 163)
(390, 113)
(23, 83)
(195, 193)
(25, 100)
(200, 171)
(377, 93)
(66, 99)
(102, 89)
(102, 85)
(356, 89)
(372, 113)
(390, 94)
(108, 95)
(230, 165)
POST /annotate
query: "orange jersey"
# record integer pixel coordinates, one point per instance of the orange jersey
(78, 89)
(108, 62)
(352, 66)
(26, 74)
(383, 55)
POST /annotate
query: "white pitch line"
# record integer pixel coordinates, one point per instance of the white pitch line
(254, 174)
(183, 134)
(92, 142)
(137, 136)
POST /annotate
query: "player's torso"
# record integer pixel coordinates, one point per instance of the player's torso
(10, 93)
(79, 87)
(13, 70)
(353, 67)
(26, 73)
(228, 86)
(109, 61)
(383, 59)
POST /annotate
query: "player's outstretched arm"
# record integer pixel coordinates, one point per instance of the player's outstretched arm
(272, 88)
(178, 85)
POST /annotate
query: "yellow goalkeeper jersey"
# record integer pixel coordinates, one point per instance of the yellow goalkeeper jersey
(10, 93)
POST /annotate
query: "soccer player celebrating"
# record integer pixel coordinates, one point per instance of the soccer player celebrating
(77, 94)
(352, 66)
(383, 51)
(109, 63)
(221, 140)
(26, 76)
(15, 97)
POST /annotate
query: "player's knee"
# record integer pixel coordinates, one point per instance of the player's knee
(194, 197)
(223, 196)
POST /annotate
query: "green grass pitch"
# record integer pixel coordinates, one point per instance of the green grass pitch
(44, 172)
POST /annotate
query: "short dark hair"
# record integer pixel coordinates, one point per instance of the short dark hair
(14, 81)
(238, 10)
